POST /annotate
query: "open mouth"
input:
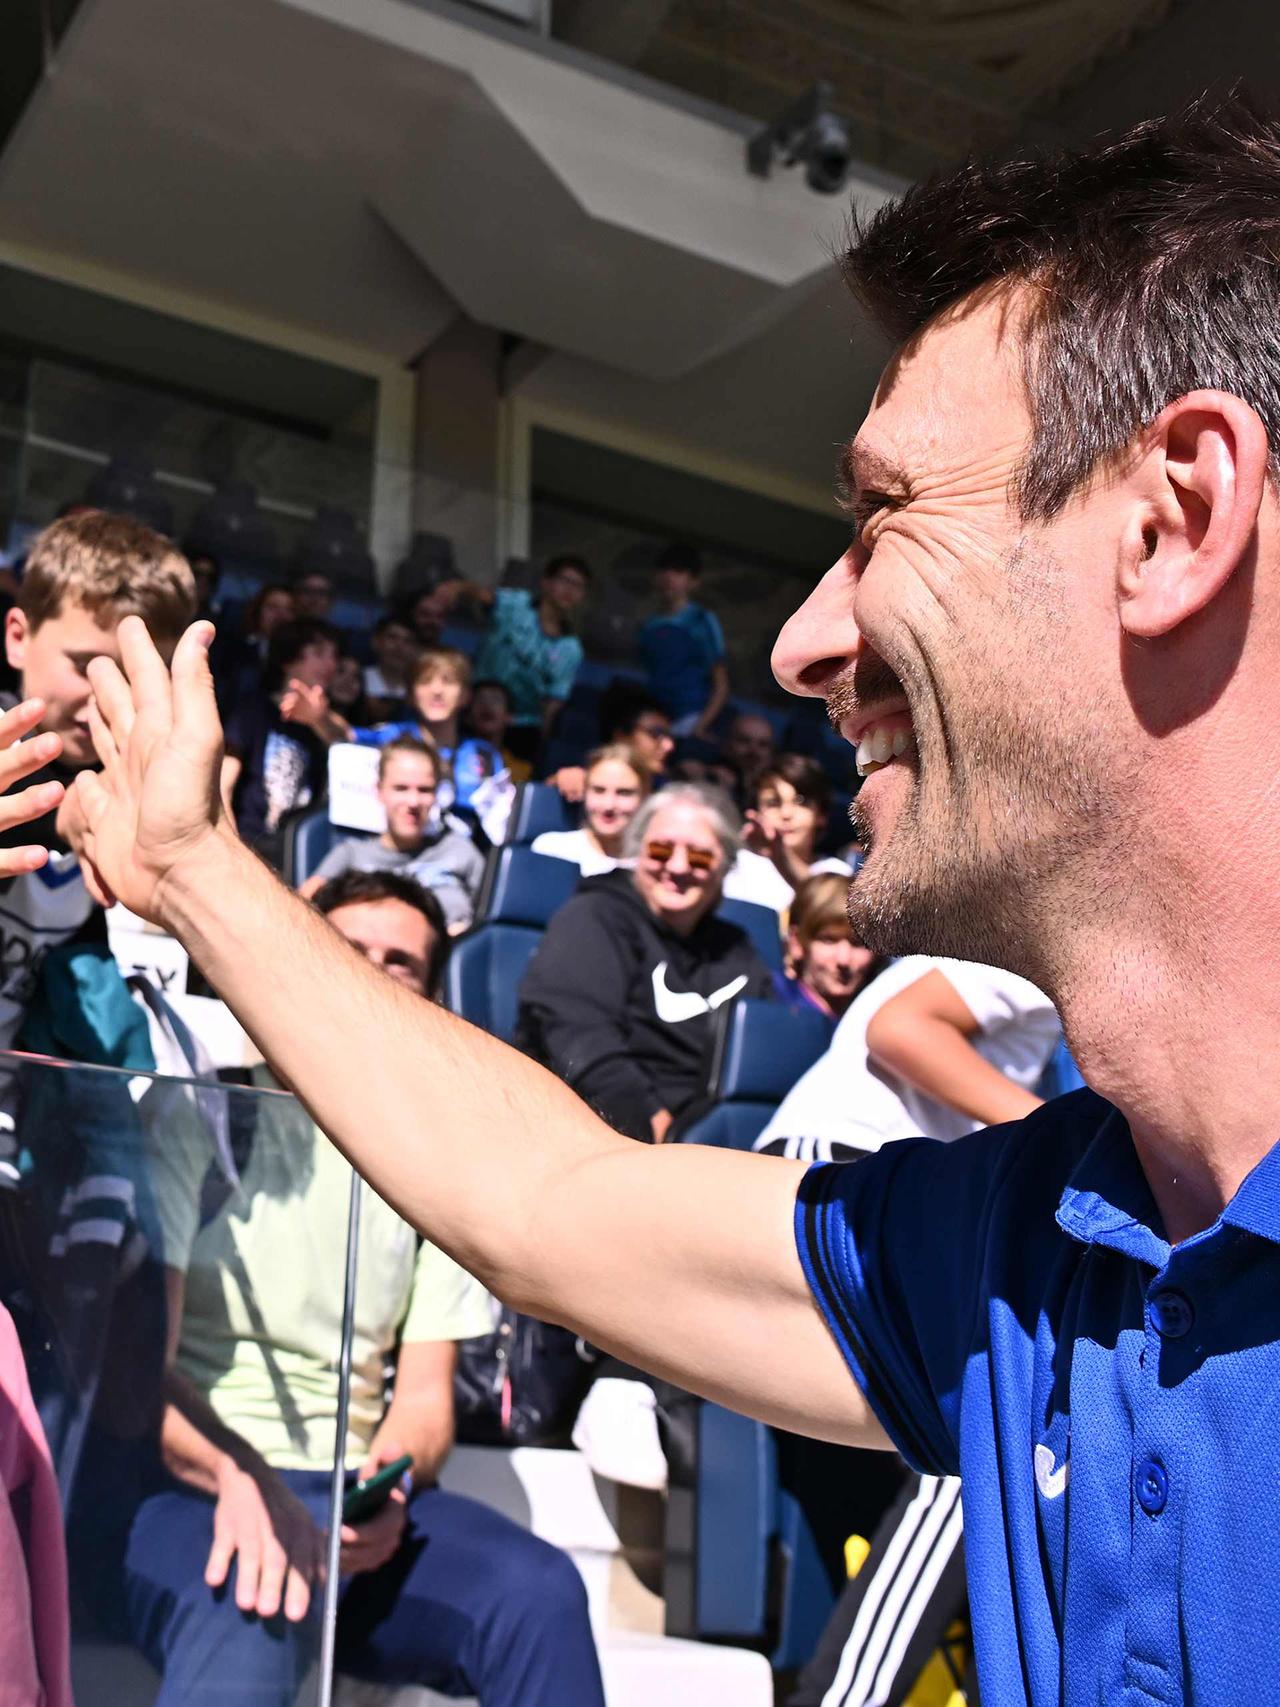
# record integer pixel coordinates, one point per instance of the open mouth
(884, 740)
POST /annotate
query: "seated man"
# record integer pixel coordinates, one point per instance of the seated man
(223, 1564)
(418, 842)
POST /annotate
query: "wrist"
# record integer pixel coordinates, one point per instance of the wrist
(199, 877)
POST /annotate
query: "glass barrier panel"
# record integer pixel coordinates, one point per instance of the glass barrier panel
(171, 1258)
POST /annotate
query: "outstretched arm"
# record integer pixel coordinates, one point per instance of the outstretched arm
(677, 1258)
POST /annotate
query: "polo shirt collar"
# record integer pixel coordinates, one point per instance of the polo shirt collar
(1107, 1200)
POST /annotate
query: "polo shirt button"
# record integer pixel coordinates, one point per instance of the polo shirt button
(1152, 1487)
(1171, 1315)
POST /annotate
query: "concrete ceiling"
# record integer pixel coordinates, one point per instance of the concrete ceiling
(367, 167)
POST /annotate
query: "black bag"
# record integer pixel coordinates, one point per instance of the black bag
(522, 1384)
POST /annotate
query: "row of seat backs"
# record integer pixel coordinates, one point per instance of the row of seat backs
(521, 892)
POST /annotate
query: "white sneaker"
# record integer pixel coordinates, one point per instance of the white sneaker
(617, 1433)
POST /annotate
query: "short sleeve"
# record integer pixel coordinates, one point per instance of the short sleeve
(446, 1303)
(894, 1250)
(715, 635)
(991, 995)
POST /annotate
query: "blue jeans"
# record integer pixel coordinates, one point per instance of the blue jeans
(469, 1605)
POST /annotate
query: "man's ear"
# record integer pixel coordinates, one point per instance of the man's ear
(16, 634)
(1204, 472)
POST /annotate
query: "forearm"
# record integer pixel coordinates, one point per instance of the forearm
(425, 1431)
(195, 1444)
(939, 1060)
(719, 698)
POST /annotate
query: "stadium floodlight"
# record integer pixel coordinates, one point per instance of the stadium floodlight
(810, 130)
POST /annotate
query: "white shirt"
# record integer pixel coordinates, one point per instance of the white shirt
(578, 847)
(752, 877)
(844, 1099)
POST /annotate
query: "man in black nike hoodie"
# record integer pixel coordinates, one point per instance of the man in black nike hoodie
(620, 998)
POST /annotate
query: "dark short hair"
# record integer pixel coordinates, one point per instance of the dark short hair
(290, 641)
(392, 619)
(313, 574)
(804, 774)
(622, 705)
(566, 560)
(680, 554)
(1154, 259)
(491, 683)
(365, 888)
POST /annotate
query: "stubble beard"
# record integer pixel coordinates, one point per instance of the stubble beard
(989, 848)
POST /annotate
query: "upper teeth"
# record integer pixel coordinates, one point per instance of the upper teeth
(878, 745)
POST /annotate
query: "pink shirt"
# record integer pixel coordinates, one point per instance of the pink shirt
(35, 1658)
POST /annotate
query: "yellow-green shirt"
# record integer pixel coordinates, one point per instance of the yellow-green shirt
(262, 1322)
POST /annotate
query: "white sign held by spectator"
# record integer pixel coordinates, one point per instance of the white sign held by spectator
(353, 788)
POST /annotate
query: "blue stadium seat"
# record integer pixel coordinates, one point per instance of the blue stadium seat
(761, 925)
(758, 1570)
(762, 1049)
(538, 807)
(521, 891)
(308, 837)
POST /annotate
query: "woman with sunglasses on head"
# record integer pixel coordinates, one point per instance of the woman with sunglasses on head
(620, 998)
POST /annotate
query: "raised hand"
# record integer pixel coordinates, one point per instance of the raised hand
(301, 703)
(155, 804)
(18, 759)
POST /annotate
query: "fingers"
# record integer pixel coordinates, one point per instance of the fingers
(220, 1555)
(29, 803)
(19, 721)
(195, 706)
(111, 695)
(271, 1578)
(297, 1595)
(104, 742)
(144, 668)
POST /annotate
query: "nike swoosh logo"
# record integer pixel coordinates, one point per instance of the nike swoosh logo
(1051, 1483)
(675, 1006)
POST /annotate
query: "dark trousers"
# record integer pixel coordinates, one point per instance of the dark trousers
(895, 1612)
(470, 1605)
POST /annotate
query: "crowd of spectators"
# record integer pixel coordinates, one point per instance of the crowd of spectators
(685, 802)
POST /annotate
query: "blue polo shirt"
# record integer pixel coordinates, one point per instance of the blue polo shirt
(1014, 1315)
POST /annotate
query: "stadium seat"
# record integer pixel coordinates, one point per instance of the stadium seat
(749, 1566)
(521, 891)
(538, 807)
(127, 487)
(761, 1050)
(760, 924)
(332, 545)
(232, 527)
(308, 837)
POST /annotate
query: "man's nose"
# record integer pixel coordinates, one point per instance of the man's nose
(822, 637)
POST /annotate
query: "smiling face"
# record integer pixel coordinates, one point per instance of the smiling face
(833, 964)
(961, 651)
(53, 660)
(407, 790)
(438, 696)
(610, 799)
(786, 811)
(680, 868)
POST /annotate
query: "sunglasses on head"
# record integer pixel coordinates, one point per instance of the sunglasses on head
(700, 859)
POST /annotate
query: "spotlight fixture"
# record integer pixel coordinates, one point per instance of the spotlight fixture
(810, 130)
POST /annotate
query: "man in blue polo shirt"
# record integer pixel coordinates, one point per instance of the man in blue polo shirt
(682, 646)
(1058, 622)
